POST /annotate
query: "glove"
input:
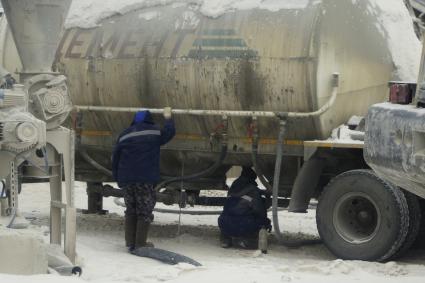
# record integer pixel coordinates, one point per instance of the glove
(167, 113)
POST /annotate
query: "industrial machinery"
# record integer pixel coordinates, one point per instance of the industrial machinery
(33, 145)
(254, 87)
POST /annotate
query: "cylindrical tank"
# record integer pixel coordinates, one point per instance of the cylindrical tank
(255, 59)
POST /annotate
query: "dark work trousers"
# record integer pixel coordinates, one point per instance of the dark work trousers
(140, 200)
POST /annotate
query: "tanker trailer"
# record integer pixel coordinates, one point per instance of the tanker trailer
(251, 60)
(242, 83)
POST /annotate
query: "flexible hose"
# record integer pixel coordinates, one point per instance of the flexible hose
(280, 237)
(209, 170)
(164, 256)
(254, 156)
(93, 162)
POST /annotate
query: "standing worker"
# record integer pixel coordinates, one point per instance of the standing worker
(135, 166)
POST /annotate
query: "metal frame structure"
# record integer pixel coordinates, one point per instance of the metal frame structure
(45, 108)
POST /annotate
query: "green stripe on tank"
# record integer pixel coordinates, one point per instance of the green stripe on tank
(221, 54)
(219, 42)
(218, 32)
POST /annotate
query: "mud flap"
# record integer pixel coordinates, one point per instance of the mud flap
(164, 256)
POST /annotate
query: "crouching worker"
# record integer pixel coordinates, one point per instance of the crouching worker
(135, 165)
(244, 213)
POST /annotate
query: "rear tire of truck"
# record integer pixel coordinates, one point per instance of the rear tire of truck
(362, 217)
(415, 218)
(420, 239)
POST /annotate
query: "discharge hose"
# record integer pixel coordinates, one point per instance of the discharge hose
(94, 163)
(279, 235)
(209, 170)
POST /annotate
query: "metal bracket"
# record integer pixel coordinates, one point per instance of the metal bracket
(13, 209)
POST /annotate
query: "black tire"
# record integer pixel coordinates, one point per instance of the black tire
(420, 239)
(415, 218)
(362, 217)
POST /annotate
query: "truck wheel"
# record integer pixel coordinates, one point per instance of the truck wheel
(420, 239)
(361, 217)
(415, 217)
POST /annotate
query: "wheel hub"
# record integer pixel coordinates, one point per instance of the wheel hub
(356, 218)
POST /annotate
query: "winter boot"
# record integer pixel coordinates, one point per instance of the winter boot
(142, 234)
(130, 231)
(249, 242)
(225, 241)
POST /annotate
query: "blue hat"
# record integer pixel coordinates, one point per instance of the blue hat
(142, 116)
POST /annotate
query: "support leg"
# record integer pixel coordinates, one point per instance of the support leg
(4, 205)
(63, 141)
(56, 197)
(70, 210)
(70, 233)
(94, 199)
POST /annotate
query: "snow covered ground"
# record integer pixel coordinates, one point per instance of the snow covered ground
(100, 247)
(104, 259)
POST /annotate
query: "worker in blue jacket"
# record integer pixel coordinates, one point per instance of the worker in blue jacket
(244, 212)
(135, 166)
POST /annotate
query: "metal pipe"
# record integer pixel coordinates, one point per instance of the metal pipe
(254, 155)
(188, 212)
(118, 202)
(193, 112)
(228, 113)
(280, 237)
(324, 108)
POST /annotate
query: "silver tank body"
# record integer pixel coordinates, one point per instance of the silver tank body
(243, 60)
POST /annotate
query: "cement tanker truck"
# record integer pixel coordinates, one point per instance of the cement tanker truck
(263, 87)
